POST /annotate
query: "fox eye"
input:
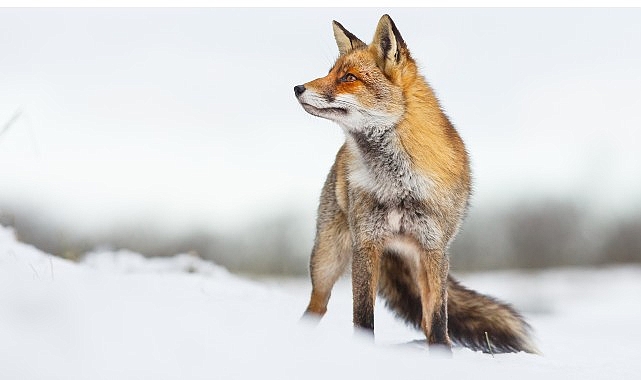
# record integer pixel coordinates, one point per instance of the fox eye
(349, 77)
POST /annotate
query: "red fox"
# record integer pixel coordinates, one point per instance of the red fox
(395, 198)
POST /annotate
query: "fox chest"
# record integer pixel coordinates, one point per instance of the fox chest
(388, 207)
(391, 186)
(399, 225)
(415, 222)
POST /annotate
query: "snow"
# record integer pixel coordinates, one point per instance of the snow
(118, 315)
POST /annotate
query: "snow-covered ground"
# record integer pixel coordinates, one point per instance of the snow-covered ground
(118, 315)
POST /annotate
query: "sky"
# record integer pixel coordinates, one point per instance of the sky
(187, 117)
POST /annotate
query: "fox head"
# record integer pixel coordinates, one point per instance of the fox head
(366, 85)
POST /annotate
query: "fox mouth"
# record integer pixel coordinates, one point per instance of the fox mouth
(324, 111)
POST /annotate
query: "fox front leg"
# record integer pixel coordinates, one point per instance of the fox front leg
(365, 272)
(432, 283)
(329, 260)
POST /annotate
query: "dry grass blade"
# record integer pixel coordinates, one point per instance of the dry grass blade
(16, 115)
(489, 346)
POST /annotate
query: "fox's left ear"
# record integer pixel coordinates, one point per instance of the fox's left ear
(388, 44)
(345, 40)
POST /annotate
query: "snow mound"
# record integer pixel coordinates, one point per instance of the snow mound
(124, 261)
(118, 315)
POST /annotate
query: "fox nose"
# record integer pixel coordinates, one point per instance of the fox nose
(299, 89)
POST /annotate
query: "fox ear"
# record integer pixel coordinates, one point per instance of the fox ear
(388, 44)
(345, 40)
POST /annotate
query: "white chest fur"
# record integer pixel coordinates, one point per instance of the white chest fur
(389, 178)
(394, 219)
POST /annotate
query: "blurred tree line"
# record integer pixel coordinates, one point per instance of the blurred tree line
(525, 235)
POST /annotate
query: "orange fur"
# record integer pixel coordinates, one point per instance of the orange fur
(428, 137)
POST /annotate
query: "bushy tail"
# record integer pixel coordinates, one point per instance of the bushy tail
(470, 314)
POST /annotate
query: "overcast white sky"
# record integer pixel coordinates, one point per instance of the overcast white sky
(187, 116)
